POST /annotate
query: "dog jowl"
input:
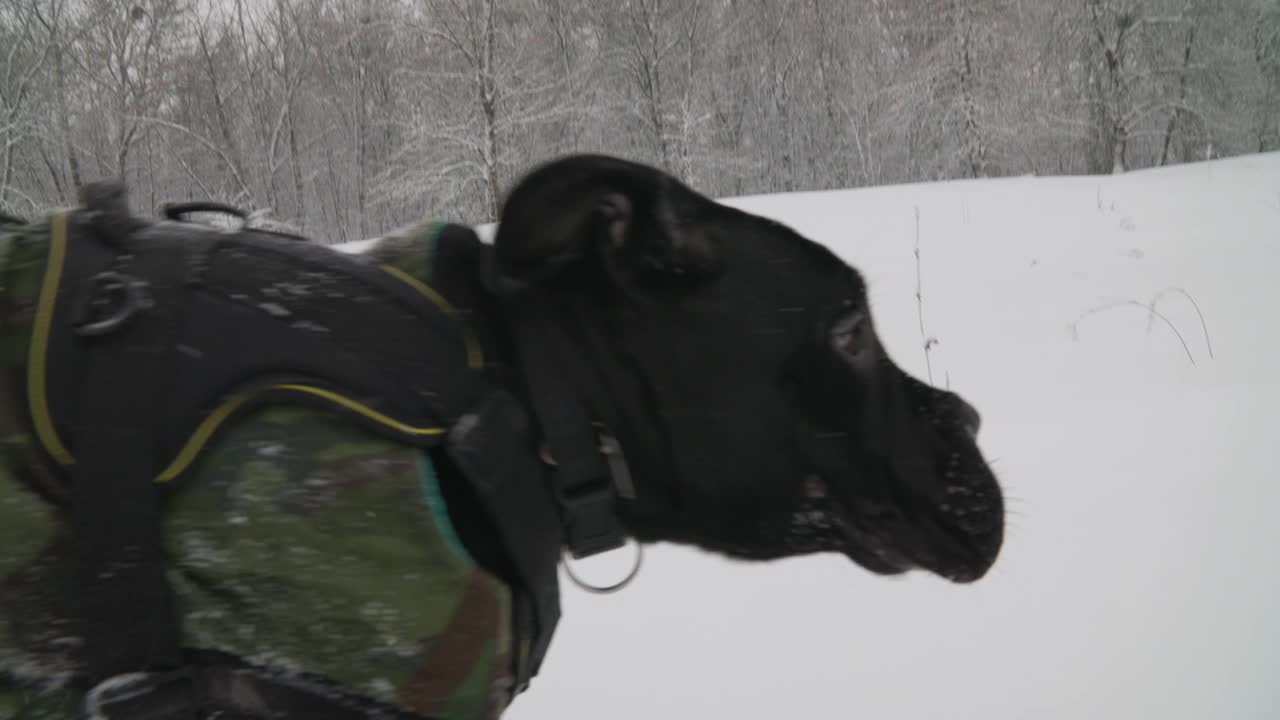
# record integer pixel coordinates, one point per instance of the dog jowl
(739, 365)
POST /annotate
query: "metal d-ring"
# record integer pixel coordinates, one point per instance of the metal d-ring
(130, 297)
(606, 589)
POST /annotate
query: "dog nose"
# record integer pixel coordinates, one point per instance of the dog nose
(968, 415)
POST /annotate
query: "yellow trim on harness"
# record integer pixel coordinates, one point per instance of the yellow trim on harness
(475, 356)
(210, 424)
(363, 410)
(197, 441)
(36, 370)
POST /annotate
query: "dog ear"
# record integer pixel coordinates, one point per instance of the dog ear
(639, 225)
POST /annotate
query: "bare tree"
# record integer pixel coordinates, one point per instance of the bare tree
(485, 79)
(1264, 19)
(124, 52)
(27, 45)
(346, 116)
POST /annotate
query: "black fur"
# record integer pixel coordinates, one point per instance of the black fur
(710, 335)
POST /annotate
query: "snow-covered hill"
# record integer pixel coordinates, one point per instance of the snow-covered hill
(1141, 573)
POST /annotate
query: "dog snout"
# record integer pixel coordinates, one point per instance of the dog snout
(968, 416)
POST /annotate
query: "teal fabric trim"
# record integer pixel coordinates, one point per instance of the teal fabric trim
(439, 509)
(433, 238)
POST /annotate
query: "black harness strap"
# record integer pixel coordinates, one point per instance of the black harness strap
(130, 623)
(494, 448)
(582, 481)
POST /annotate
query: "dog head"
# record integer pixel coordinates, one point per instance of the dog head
(738, 364)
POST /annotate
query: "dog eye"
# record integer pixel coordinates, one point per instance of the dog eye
(850, 335)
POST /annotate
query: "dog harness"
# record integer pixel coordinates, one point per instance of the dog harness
(150, 338)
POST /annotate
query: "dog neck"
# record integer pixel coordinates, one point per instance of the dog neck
(459, 270)
(663, 502)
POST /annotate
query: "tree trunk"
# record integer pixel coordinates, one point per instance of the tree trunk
(486, 83)
(974, 151)
(219, 111)
(64, 112)
(1266, 54)
(1182, 97)
(359, 59)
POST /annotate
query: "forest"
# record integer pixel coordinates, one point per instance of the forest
(344, 118)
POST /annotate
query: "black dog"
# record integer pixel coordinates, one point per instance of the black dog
(628, 358)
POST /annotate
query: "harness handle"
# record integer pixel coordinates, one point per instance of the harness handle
(177, 210)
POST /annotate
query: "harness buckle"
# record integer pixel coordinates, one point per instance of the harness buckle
(592, 526)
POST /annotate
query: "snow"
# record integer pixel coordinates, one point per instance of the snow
(1139, 577)
(355, 247)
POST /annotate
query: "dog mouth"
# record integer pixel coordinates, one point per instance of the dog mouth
(942, 514)
(919, 498)
(873, 553)
(955, 533)
(954, 541)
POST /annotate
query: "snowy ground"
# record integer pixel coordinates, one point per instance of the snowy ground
(1141, 572)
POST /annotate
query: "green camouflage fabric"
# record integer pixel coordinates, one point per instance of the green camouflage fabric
(301, 542)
